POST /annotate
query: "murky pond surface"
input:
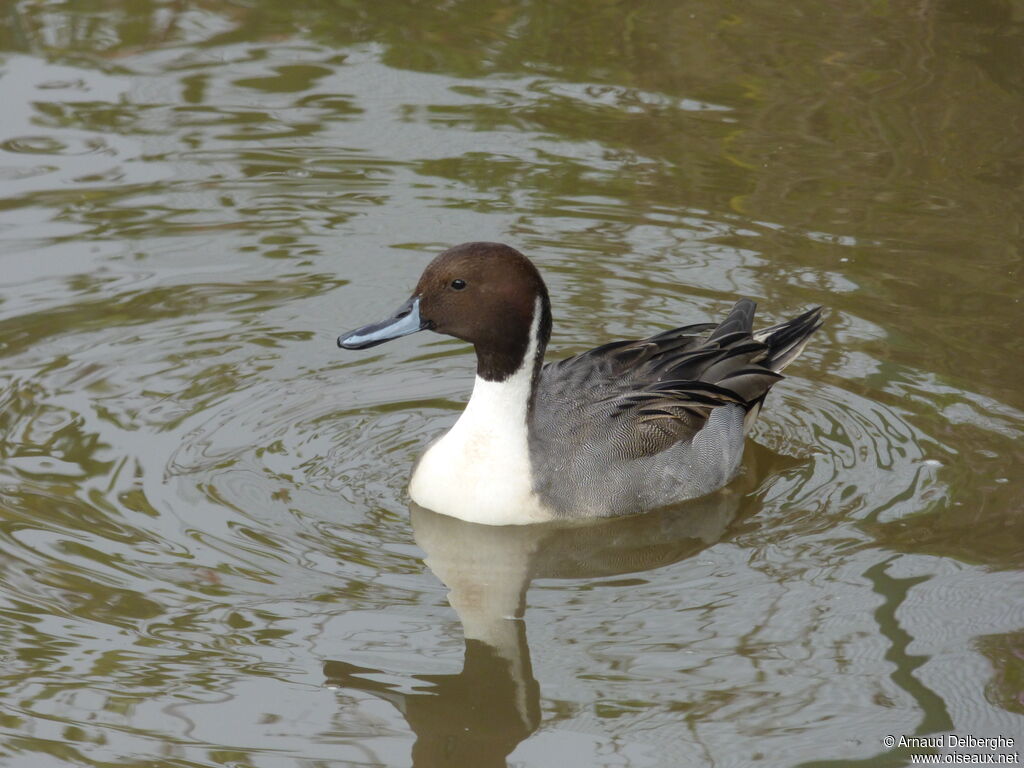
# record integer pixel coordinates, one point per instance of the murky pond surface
(207, 556)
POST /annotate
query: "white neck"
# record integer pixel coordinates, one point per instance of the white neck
(480, 469)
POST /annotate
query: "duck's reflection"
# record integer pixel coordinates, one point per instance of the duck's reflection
(478, 716)
(473, 718)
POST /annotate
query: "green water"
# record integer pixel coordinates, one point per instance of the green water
(207, 556)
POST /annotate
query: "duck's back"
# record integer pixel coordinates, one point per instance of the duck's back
(636, 425)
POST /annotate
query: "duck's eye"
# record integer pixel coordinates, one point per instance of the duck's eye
(458, 284)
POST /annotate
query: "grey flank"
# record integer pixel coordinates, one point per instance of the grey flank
(636, 425)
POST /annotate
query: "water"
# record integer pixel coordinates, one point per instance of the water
(207, 557)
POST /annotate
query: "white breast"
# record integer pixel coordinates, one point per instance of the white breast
(480, 470)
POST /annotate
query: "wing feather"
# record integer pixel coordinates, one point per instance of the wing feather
(653, 393)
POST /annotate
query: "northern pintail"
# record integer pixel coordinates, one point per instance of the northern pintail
(627, 427)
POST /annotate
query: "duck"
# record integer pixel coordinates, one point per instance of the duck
(625, 428)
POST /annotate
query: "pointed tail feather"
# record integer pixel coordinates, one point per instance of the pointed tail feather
(739, 320)
(787, 340)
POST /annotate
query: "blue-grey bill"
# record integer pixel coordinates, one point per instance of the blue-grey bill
(405, 321)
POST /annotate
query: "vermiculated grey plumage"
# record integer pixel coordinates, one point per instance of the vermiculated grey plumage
(633, 424)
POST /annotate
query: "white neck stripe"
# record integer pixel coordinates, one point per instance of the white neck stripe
(480, 469)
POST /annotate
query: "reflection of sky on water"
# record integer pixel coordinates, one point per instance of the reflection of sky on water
(201, 501)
